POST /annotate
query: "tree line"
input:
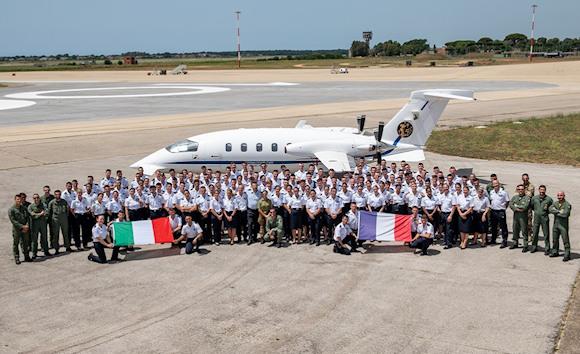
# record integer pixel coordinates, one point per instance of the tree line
(511, 42)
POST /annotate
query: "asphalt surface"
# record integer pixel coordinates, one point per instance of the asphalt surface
(259, 299)
(237, 97)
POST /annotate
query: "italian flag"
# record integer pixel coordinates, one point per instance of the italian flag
(145, 232)
(384, 226)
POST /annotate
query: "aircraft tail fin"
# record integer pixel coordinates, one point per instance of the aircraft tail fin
(414, 123)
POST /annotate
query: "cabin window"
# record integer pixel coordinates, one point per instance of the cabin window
(183, 146)
(274, 147)
(228, 147)
(259, 147)
(244, 147)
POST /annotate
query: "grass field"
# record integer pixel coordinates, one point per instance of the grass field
(553, 140)
(264, 63)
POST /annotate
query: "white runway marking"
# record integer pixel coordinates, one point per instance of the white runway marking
(234, 84)
(193, 90)
(13, 104)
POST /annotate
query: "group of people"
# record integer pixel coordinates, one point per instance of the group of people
(254, 204)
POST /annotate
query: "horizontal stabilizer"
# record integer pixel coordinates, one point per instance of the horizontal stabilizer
(467, 97)
(408, 156)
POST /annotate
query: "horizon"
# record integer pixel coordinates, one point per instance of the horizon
(112, 28)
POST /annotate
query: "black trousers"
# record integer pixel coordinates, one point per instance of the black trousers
(216, 225)
(498, 219)
(422, 243)
(349, 240)
(77, 227)
(331, 223)
(189, 246)
(285, 222)
(241, 226)
(448, 232)
(156, 214)
(205, 224)
(134, 215)
(252, 224)
(143, 213)
(313, 224)
(101, 256)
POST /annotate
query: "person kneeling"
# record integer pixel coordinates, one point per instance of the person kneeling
(274, 229)
(192, 234)
(100, 241)
(343, 235)
(424, 237)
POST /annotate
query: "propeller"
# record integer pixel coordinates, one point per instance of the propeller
(360, 121)
(378, 138)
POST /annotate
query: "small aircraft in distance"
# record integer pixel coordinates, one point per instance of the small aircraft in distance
(403, 138)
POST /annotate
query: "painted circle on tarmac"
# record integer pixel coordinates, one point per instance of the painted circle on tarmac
(14, 104)
(190, 90)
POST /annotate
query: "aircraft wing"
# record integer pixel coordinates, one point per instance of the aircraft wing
(338, 161)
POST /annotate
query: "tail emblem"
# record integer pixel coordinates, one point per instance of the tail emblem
(405, 129)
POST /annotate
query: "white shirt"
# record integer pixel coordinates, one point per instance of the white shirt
(334, 205)
(202, 203)
(498, 200)
(114, 206)
(398, 199)
(216, 205)
(413, 200)
(359, 199)
(175, 222)
(99, 232)
(425, 229)
(446, 202)
(352, 220)
(294, 201)
(429, 203)
(341, 231)
(375, 200)
(229, 204)
(80, 206)
(155, 201)
(132, 203)
(241, 201)
(313, 205)
(98, 208)
(480, 204)
(464, 202)
(191, 231)
(277, 201)
(345, 196)
(69, 196)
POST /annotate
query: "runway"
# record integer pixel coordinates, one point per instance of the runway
(93, 101)
(258, 299)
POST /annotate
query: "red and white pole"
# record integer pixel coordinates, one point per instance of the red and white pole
(532, 40)
(238, 36)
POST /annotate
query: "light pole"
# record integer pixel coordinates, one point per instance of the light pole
(238, 36)
(533, 27)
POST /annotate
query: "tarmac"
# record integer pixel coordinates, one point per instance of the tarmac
(295, 299)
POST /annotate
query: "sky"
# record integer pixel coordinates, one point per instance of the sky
(44, 27)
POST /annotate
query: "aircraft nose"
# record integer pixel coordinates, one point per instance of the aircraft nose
(152, 162)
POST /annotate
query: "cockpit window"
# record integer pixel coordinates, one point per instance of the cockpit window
(183, 146)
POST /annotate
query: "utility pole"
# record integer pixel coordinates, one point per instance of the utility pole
(239, 52)
(533, 27)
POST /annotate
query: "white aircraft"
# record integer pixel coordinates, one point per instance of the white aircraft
(402, 138)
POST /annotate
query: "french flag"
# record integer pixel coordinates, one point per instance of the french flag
(384, 227)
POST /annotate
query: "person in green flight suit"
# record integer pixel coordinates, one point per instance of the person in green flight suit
(540, 204)
(274, 228)
(561, 210)
(520, 204)
(20, 219)
(38, 218)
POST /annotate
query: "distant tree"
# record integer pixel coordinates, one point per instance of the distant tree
(414, 46)
(388, 49)
(108, 62)
(359, 49)
(120, 62)
(461, 47)
(516, 40)
(485, 43)
(553, 45)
